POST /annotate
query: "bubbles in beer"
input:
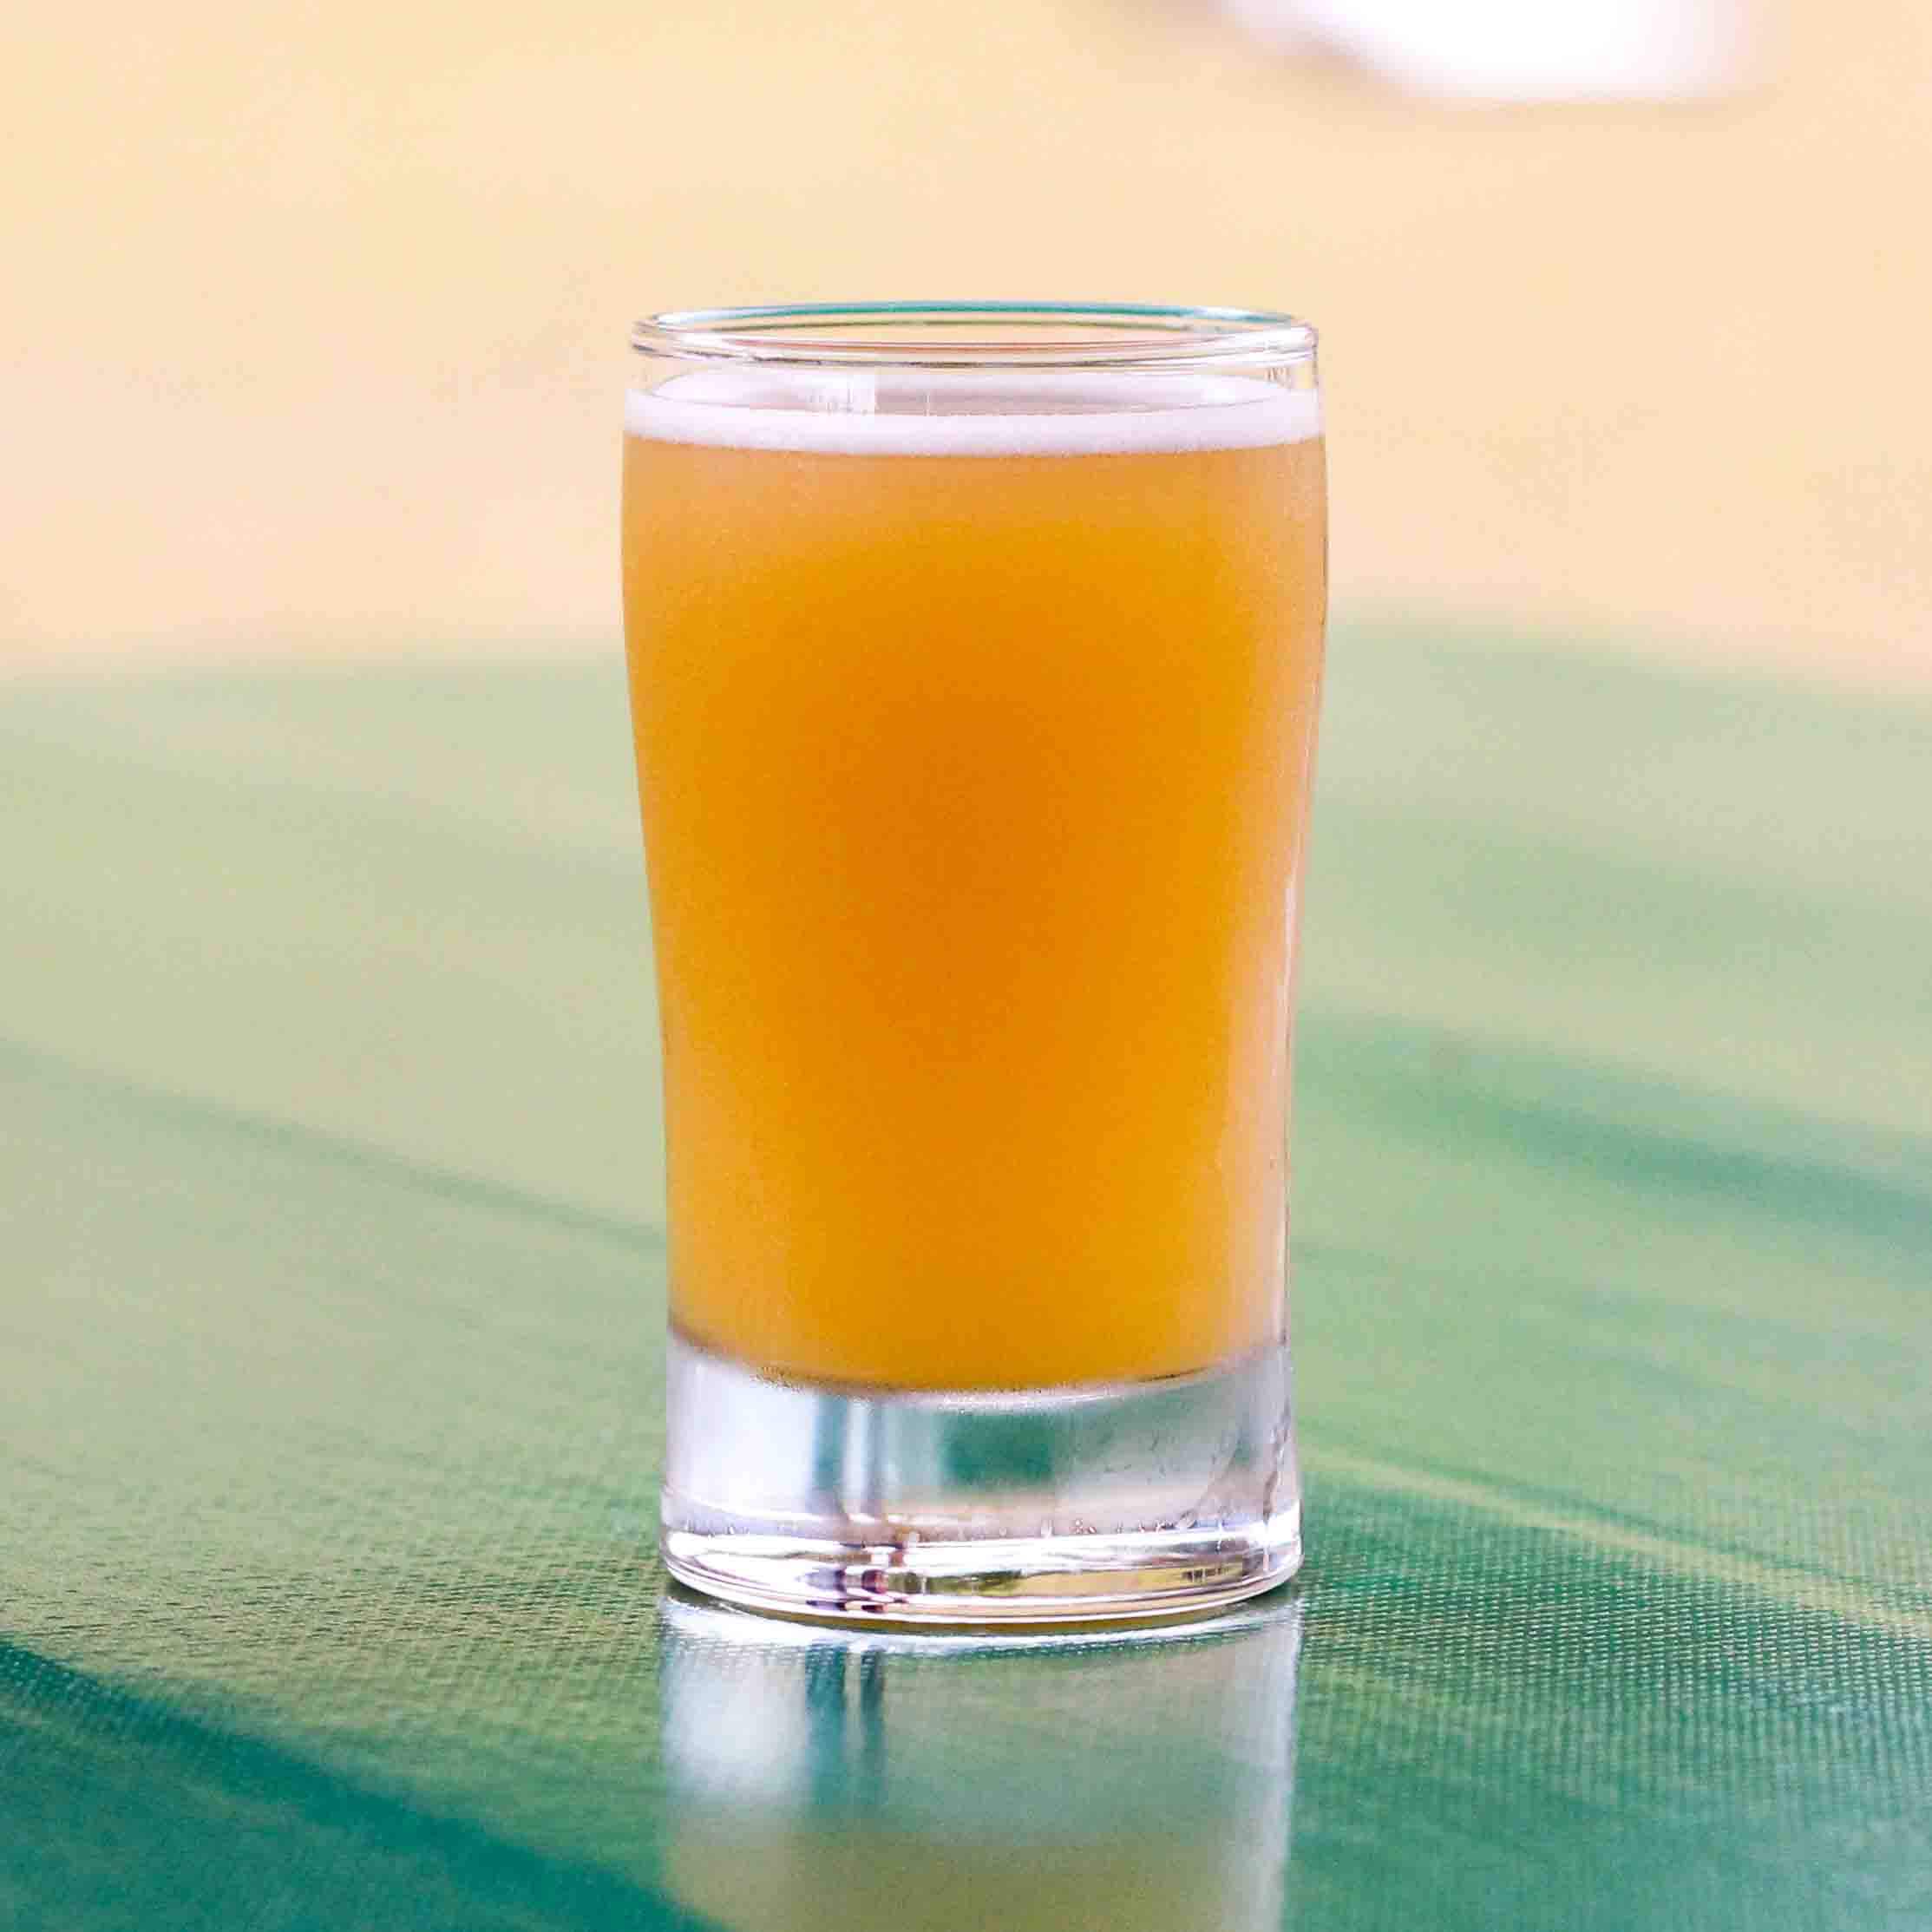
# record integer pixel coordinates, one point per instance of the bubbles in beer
(970, 412)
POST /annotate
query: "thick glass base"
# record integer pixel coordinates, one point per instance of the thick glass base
(1143, 1499)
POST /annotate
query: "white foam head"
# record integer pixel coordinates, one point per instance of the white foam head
(867, 412)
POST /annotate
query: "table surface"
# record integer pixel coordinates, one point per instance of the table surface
(328, 1409)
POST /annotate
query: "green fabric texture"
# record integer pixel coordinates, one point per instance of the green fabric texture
(330, 1330)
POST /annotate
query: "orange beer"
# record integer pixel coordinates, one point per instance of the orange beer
(974, 742)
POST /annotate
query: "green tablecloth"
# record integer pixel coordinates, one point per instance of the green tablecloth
(332, 1281)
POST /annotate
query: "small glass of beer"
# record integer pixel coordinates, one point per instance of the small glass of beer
(975, 652)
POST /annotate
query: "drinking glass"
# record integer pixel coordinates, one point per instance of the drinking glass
(975, 652)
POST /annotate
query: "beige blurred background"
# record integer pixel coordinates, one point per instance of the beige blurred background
(313, 335)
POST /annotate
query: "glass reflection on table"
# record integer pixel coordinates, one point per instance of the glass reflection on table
(1129, 1778)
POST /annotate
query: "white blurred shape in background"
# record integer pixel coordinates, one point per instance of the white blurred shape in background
(1520, 50)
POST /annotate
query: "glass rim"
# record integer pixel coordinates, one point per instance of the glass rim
(1075, 335)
